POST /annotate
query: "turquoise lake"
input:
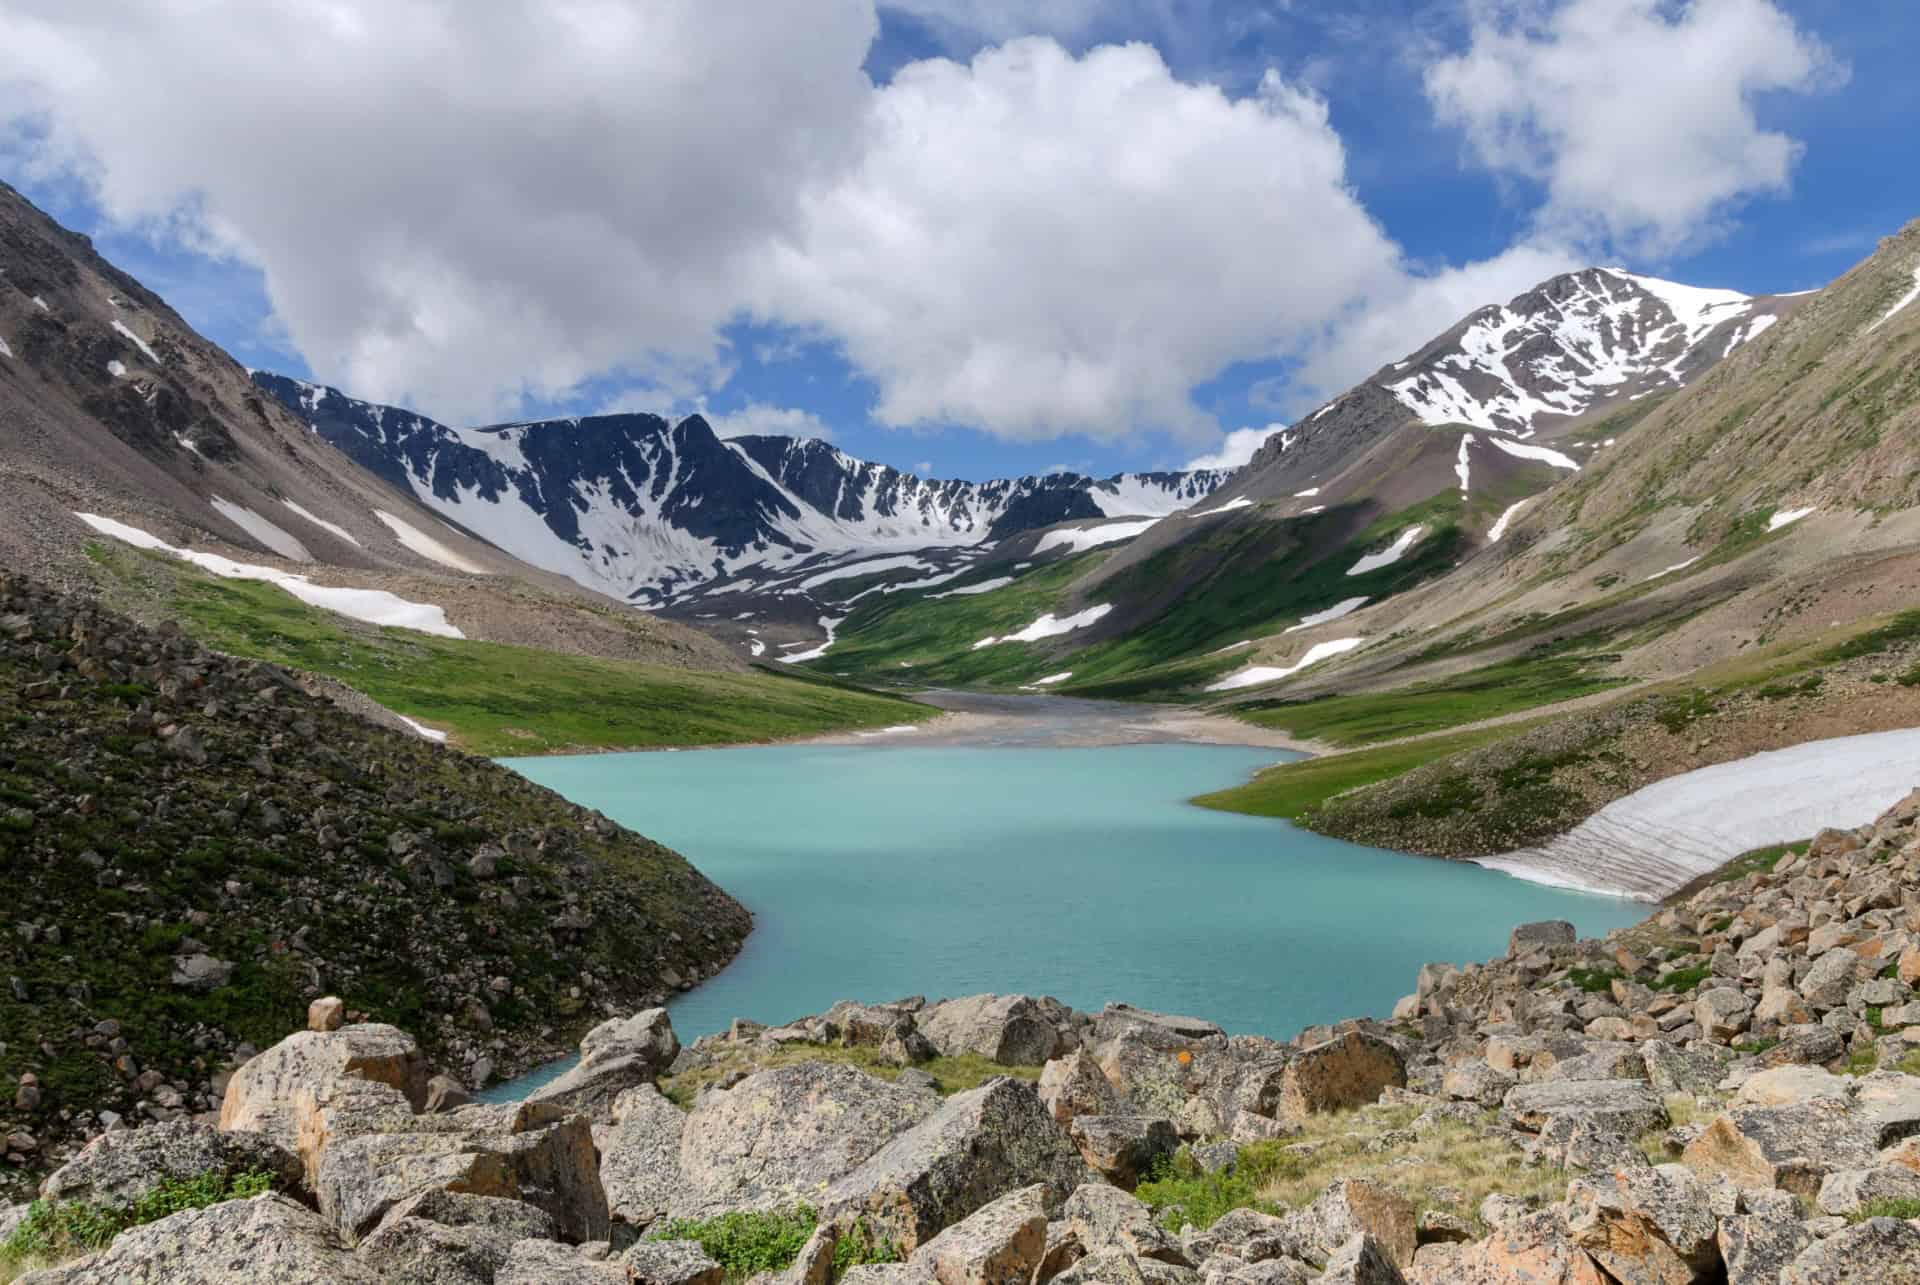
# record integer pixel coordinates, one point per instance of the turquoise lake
(875, 873)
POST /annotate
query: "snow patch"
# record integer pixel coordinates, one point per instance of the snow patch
(967, 591)
(1245, 642)
(757, 647)
(1345, 607)
(1462, 466)
(1788, 518)
(1664, 836)
(429, 733)
(4, 350)
(1050, 626)
(855, 569)
(1678, 566)
(117, 369)
(322, 523)
(1051, 679)
(41, 304)
(1541, 453)
(1079, 540)
(1241, 502)
(136, 341)
(1307, 494)
(425, 545)
(1260, 674)
(1390, 555)
(828, 623)
(375, 606)
(1904, 300)
(1500, 527)
(281, 542)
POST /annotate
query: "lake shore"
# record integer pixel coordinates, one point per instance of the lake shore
(1040, 722)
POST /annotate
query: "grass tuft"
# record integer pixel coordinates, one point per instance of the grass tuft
(56, 1230)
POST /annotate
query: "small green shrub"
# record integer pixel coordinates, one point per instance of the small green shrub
(1594, 981)
(858, 1246)
(1179, 1193)
(55, 1229)
(1901, 1207)
(1681, 980)
(746, 1243)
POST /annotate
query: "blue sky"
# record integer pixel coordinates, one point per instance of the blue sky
(1328, 203)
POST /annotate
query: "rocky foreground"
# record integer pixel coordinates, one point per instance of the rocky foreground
(1722, 1094)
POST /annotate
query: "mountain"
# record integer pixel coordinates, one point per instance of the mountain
(1563, 354)
(112, 406)
(1396, 481)
(653, 512)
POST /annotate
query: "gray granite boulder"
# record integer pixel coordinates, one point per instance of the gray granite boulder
(117, 1168)
(977, 1147)
(783, 1136)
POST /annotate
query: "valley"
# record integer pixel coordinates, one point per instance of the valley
(1035, 866)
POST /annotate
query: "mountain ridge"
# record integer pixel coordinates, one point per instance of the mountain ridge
(648, 510)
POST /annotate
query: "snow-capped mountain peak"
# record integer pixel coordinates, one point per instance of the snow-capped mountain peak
(649, 511)
(1572, 344)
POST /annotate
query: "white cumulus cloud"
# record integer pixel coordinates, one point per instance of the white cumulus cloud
(1636, 116)
(472, 208)
(1034, 243)
(1235, 448)
(459, 206)
(758, 419)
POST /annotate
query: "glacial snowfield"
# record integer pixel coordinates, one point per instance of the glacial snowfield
(1663, 837)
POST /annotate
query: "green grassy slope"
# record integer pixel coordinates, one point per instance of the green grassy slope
(1239, 580)
(497, 699)
(1293, 790)
(1364, 719)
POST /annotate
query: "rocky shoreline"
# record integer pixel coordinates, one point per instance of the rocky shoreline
(1727, 1092)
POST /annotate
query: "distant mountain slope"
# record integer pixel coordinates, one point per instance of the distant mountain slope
(649, 511)
(1393, 484)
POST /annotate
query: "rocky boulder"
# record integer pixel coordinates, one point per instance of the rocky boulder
(640, 1156)
(783, 1136)
(549, 1262)
(1351, 1070)
(269, 1240)
(614, 1056)
(1527, 938)
(672, 1262)
(531, 1152)
(1123, 1149)
(1356, 1207)
(1001, 1243)
(1011, 1030)
(118, 1168)
(1074, 1085)
(1628, 1108)
(1105, 1218)
(1879, 1251)
(451, 1238)
(977, 1147)
(1655, 1225)
(1757, 1248)
(1361, 1261)
(267, 1094)
(1532, 1249)
(1792, 1147)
